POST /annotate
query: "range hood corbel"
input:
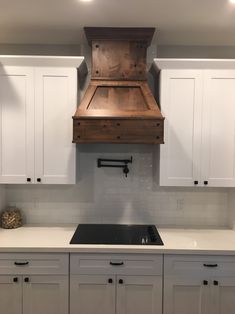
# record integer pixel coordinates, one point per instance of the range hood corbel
(118, 106)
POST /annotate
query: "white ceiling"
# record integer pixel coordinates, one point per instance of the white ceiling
(180, 22)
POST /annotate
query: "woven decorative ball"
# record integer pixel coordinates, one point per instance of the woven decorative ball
(11, 218)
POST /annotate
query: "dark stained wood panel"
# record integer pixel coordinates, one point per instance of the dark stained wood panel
(118, 131)
(85, 111)
(118, 98)
(142, 34)
(120, 60)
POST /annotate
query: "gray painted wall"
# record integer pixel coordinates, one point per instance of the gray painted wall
(169, 51)
(54, 50)
(217, 52)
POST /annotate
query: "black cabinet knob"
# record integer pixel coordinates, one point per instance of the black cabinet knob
(39, 180)
(205, 182)
(205, 282)
(110, 280)
(216, 283)
(120, 281)
(15, 279)
(28, 179)
(195, 182)
(26, 279)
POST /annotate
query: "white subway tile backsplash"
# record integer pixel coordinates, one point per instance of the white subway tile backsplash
(104, 195)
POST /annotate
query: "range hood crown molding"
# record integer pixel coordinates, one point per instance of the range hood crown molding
(118, 106)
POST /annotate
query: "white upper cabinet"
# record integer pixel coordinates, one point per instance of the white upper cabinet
(37, 102)
(218, 140)
(55, 103)
(16, 124)
(199, 108)
(181, 98)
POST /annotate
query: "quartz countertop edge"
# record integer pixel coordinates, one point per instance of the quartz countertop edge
(56, 238)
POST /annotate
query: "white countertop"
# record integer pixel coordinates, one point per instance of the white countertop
(35, 238)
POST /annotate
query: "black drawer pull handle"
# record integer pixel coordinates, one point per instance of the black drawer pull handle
(195, 182)
(216, 283)
(116, 263)
(210, 265)
(21, 263)
(110, 280)
(121, 281)
(205, 282)
(26, 279)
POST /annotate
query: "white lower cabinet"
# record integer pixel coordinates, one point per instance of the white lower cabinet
(199, 285)
(186, 296)
(116, 284)
(139, 294)
(115, 292)
(26, 290)
(92, 294)
(45, 294)
(10, 294)
(223, 294)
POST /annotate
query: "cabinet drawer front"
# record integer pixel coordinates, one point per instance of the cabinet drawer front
(34, 263)
(116, 264)
(175, 265)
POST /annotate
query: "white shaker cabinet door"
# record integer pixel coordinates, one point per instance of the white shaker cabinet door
(45, 295)
(16, 125)
(218, 150)
(223, 301)
(181, 104)
(139, 294)
(92, 294)
(10, 295)
(186, 296)
(55, 104)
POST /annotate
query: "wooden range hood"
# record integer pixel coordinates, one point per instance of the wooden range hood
(118, 106)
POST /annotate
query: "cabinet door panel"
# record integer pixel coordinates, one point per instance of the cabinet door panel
(45, 294)
(10, 295)
(56, 99)
(16, 125)
(181, 102)
(218, 154)
(224, 296)
(139, 294)
(92, 294)
(186, 295)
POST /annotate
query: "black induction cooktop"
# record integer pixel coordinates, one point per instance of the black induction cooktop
(116, 234)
